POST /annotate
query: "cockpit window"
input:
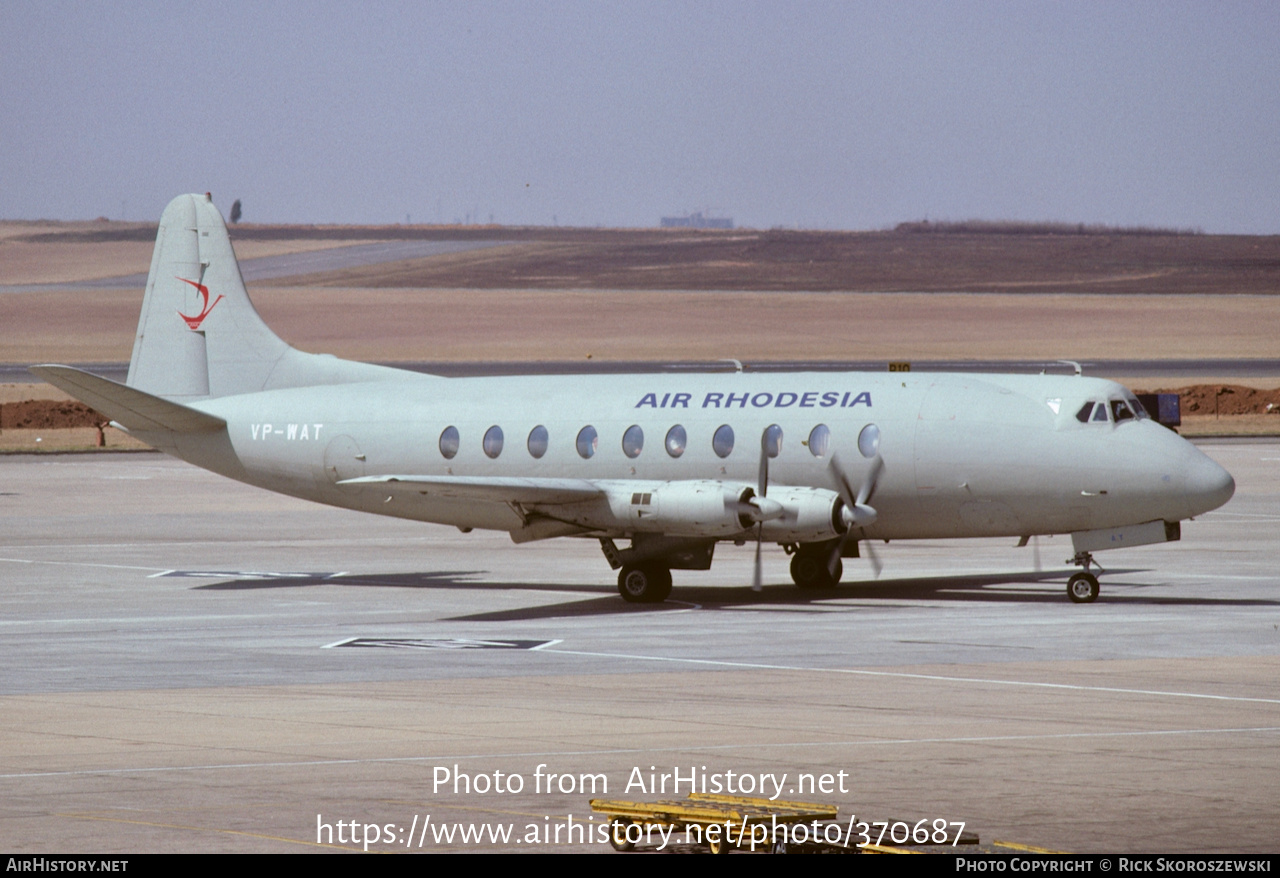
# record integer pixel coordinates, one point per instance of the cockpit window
(1117, 410)
(1121, 411)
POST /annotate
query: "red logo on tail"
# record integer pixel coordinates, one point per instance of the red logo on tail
(194, 322)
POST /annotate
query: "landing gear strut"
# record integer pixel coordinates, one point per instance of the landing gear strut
(644, 583)
(1082, 587)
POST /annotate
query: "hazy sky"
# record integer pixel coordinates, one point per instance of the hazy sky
(816, 115)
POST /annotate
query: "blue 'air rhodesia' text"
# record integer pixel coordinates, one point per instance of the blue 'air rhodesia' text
(807, 400)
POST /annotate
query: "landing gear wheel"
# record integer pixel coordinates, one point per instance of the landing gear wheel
(644, 584)
(809, 571)
(1082, 588)
(618, 835)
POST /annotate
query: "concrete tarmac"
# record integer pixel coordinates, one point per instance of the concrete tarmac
(191, 664)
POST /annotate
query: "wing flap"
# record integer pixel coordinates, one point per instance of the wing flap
(498, 489)
(133, 409)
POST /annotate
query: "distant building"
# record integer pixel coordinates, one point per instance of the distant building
(697, 220)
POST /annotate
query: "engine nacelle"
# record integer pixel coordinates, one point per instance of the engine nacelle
(808, 515)
(718, 510)
(696, 508)
(693, 509)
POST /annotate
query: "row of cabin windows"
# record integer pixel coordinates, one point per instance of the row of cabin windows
(675, 442)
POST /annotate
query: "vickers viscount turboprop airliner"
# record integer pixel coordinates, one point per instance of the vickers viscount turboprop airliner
(671, 464)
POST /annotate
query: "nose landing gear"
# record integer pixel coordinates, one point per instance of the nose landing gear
(1082, 587)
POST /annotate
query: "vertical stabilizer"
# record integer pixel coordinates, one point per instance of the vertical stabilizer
(199, 335)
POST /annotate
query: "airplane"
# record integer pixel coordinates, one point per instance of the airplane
(672, 464)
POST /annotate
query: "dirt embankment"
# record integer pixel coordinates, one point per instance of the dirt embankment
(47, 414)
(1226, 399)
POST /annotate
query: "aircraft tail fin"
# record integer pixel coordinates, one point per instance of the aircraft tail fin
(133, 409)
(199, 336)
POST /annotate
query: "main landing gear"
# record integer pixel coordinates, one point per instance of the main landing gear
(810, 570)
(1082, 587)
(644, 583)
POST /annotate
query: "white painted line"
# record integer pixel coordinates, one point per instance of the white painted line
(1266, 516)
(905, 676)
(78, 564)
(166, 620)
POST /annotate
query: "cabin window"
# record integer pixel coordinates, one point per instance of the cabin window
(869, 441)
(493, 441)
(772, 440)
(1120, 410)
(1083, 415)
(676, 440)
(1100, 413)
(587, 442)
(449, 442)
(722, 441)
(538, 441)
(820, 440)
(633, 441)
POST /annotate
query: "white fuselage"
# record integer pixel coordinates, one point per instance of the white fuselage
(964, 455)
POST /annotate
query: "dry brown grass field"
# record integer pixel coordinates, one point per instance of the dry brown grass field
(389, 324)
(747, 259)
(851, 262)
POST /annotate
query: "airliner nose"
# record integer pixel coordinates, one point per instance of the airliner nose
(1208, 485)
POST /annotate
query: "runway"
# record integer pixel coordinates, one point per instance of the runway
(195, 665)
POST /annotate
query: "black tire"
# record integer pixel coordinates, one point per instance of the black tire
(644, 584)
(618, 835)
(1082, 588)
(809, 571)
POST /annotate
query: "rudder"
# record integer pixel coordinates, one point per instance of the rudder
(199, 336)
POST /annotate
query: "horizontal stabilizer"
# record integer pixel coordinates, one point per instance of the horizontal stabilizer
(496, 489)
(133, 409)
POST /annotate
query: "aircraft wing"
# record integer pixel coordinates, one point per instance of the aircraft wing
(133, 409)
(498, 489)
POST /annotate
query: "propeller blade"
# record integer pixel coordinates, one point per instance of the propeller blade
(837, 553)
(869, 483)
(842, 481)
(876, 564)
(762, 486)
(857, 512)
(757, 577)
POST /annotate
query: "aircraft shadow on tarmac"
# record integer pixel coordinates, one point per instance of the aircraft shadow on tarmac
(603, 600)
